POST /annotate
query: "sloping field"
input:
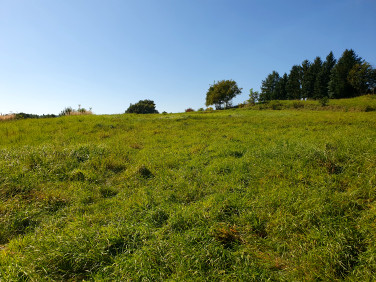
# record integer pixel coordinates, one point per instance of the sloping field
(231, 195)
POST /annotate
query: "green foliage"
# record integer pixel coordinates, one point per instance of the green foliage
(253, 96)
(362, 77)
(323, 77)
(66, 112)
(339, 85)
(268, 87)
(233, 195)
(349, 77)
(69, 111)
(280, 89)
(309, 76)
(221, 93)
(142, 107)
(293, 85)
(324, 101)
(24, 116)
(364, 103)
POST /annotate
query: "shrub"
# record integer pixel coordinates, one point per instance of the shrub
(276, 105)
(298, 104)
(189, 110)
(69, 111)
(369, 108)
(142, 107)
(324, 101)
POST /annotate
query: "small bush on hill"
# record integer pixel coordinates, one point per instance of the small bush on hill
(69, 111)
(189, 110)
(276, 105)
(142, 107)
(324, 101)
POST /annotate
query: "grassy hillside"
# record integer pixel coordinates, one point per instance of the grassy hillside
(365, 103)
(230, 195)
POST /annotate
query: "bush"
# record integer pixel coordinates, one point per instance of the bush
(189, 110)
(276, 105)
(69, 111)
(324, 101)
(298, 104)
(142, 107)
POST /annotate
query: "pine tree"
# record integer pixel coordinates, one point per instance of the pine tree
(280, 89)
(305, 78)
(293, 85)
(339, 86)
(309, 78)
(323, 77)
(268, 87)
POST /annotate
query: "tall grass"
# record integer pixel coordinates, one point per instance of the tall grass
(225, 195)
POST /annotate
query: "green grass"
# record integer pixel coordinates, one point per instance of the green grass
(365, 103)
(231, 195)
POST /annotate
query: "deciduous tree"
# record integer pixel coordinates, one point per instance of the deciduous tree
(142, 107)
(221, 93)
(362, 77)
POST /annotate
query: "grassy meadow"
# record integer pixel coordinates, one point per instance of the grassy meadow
(233, 195)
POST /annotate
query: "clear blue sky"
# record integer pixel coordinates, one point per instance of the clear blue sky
(108, 54)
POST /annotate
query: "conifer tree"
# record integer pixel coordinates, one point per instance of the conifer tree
(293, 85)
(309, 78)
(280, 89)
(323, 77)
(305, 78)
(268, 87)
(339, 86)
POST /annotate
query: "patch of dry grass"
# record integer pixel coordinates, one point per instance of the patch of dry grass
(7, 117)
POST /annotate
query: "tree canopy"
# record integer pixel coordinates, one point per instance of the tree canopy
(339, 86)
(362, 77)
(268, 87)
(221, 93)
(293, 85)
(350, 76)
(142, 107)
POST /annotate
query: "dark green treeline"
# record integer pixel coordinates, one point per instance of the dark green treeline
(350, 76)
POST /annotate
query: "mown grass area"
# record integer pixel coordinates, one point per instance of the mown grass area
(231, 195)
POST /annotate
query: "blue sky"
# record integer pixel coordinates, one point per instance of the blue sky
(108, 54)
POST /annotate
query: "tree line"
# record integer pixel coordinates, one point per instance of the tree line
(348, 77)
